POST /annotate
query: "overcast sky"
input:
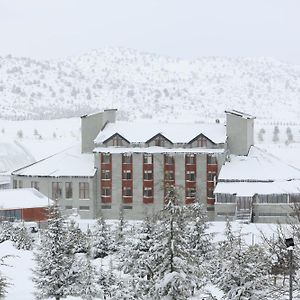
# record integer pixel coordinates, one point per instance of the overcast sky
(178, 28)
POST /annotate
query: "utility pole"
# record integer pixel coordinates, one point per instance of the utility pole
(290, 247)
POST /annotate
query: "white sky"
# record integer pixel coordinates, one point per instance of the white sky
(178, 28)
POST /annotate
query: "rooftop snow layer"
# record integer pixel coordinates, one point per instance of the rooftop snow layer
(155, 150)
(249, 189)
(67, 163)
(142, 131)
(23, 198)
(259, 165)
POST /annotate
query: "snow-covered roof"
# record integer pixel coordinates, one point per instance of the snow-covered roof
(23, 198)
(142, 131)
(155, 150)
(13, 156)
(239, 114)
(259, 165)
(64, 164)
(249, 189)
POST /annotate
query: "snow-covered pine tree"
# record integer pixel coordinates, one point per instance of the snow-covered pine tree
(4, 283)
(6, 231)
(101, 239)
(76, 239)
(199, 240)
(240, 271)
(53, 277)
(23, 239)
(170, 261)
(88, 285)
(120, 232)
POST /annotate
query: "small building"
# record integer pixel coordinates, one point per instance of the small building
(258, 187)
(23, 204)
(68, 177)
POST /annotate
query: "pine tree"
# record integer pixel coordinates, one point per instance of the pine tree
(88, 285)
(240, 271)
(53, 276)
(76, 240)
(199, 241)
(22, 238)
(101, 239)
(170, 262)
(120, 232)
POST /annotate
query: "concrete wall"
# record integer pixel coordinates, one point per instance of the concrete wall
(91, 126)
(45, 187)
(139, 209)
(240, 133)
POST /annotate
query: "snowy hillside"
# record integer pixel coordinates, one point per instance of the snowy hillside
(148, 86)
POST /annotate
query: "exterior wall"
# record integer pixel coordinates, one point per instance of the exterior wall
(35, 214)
(91, 126)
(208, 144)
(110, 143)
(240, 134)
(68, 205)
(141, 205)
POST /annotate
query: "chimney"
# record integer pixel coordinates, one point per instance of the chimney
(91, 125)
(239, 131)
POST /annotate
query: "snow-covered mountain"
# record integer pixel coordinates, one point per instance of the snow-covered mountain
(144, 85)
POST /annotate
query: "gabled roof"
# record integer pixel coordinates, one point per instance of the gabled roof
(143, 131)
(64, 164)
(259, 165)
(23, 198)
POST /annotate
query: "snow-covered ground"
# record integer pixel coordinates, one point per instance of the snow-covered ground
(21, 262)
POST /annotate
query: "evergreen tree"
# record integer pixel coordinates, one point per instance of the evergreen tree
(120, 232)
(170, 262)
(76, 240)
(53, 276)
(240, 271)
(88, 285)
(101, 239)
(22, 238)
(3, 280)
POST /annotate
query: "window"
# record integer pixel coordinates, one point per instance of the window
(117, 141)
(169, 159)
(295, 198)
(202, 142)
(148, 192)
(127, 207)
(211, 176)
(15, 184)
(35, 185)
(160, 141)
(105, 206)
(56, 190)
(127, 175)
(226, 198)
(190, 193)
(147, 158)
(105, 174)
(105, 191)
(211, 160)
(190, 176)
(127, 191)
(273, 198)
(68, 207)
(68, 190)
(126, 158)
(169, 175)
(148, 175)
(84, 190)
(190, 159)
(105, 158)
(20, 184)
(84, 207)
(210, 193)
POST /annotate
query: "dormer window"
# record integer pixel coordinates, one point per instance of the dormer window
(202, 142)
(160, 141)
(117, 141)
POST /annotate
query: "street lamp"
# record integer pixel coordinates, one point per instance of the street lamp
(289, 245)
